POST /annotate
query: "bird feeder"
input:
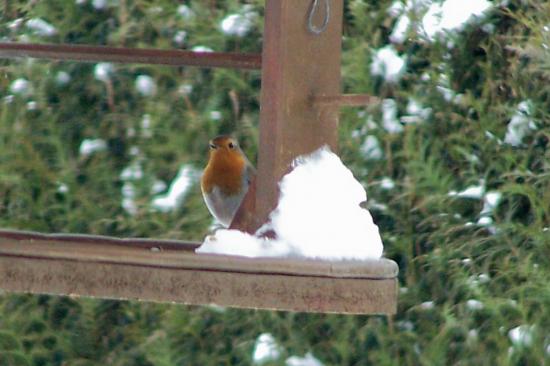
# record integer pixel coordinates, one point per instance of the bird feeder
(300, 99)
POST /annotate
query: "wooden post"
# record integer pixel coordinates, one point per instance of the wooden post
(297, 67)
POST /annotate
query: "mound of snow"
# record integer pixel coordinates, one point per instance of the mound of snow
(318, 216)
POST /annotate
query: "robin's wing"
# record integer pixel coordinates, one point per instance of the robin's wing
(250, 172)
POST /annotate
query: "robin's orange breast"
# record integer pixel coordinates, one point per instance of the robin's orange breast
(225, 170)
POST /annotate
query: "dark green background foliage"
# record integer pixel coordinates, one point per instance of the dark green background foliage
(444, 262)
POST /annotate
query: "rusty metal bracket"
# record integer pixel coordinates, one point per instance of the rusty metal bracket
(345, 100)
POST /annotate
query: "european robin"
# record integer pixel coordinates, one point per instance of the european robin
(226, 178)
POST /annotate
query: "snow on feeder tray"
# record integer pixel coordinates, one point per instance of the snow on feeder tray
(300, 98)
(286, 274)
(170, 271)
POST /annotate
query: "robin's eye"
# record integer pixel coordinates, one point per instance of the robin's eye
(231, 145)
(212, 146)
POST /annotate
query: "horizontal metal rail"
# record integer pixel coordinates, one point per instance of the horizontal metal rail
(86, 53)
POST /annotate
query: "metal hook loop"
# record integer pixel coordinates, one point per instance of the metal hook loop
(314, 9)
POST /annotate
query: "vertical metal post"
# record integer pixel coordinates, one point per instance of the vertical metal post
(297, 67)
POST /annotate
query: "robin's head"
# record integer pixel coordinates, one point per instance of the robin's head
(225, 146)
(224, 143)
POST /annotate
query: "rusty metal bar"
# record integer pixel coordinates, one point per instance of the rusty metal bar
(345, 100)
(86, 53)
(116, 268)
